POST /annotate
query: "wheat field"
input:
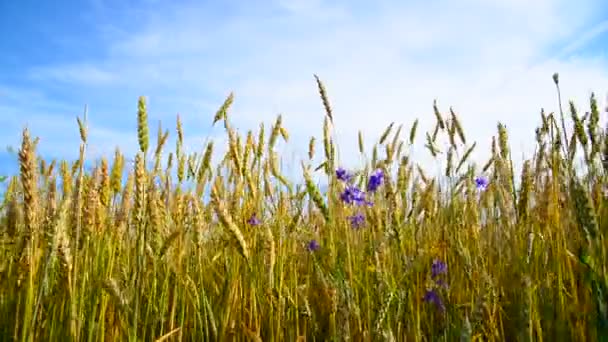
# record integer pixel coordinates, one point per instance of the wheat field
(187, 248)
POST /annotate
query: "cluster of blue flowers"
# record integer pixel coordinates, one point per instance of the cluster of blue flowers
(354, 195)
(343, 175)
(357, 220)
(313, 245)
(254, 220)
(438, 268)
(375, 180)
(481, 183)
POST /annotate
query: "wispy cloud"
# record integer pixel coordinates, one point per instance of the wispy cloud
(81, 74)
(382, 62)
(578, 43)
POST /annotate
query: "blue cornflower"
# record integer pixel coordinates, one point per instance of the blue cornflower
(253, 220)
(375, 180)
(431, 296)
(357, 220)
(343, 175)
(438, 267)
(313, 245)
(481, 183)
(352, 194)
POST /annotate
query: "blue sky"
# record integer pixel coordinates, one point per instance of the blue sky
(381, 61)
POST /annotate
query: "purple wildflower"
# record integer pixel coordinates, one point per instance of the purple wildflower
(253, 220)
(438, 267)
(343, 175)
(352, 194)
(313, 245)
(431, 296)
(375, 180)
(357, 220)
(481, 183)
